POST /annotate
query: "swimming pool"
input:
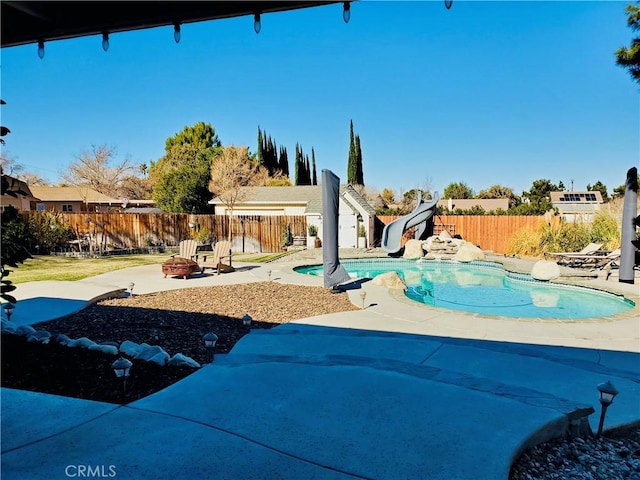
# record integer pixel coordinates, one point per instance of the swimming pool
(486, 288)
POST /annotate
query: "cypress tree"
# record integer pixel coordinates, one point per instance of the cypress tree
(351, 163)
(314, 177)
(297, 166)
(260, 155)
(359, 171)
(283, 163)
(307, 171)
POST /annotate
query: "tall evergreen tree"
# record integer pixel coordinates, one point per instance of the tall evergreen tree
(314, 176)
(359, 171)
(283, 163)
(352, 161)
(260, 147)
(297, 166)
(307, 171)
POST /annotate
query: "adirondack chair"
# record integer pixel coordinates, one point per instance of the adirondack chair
(220, 258)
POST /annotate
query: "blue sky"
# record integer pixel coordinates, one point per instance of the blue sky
(485, 93)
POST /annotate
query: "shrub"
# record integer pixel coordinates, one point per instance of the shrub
(605, 230)
(525, 242)
(313, 230)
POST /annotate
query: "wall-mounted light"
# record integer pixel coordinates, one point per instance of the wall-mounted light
(177, 34)
(41, 49)
(257, 25)
(105, 41)
(346, 12)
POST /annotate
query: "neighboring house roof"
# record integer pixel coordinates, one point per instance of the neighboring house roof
(71, 194)
(82, 194)
(300, 194)
(309, 195)
(488, 204)
(576, 202)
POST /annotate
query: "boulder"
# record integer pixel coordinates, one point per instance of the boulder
(413, 249)
(8, 327)
(129, 348)
(82, 342)
(109, 349)
(468, 252)
(41, 336)
(153, 353)
(24, 330)
(391, 280)
(545, 270)
(180, 360)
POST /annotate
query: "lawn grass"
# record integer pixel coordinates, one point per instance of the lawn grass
(53, 267)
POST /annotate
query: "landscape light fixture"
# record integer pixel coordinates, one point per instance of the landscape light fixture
(346, 12)
(210, 340)
(363, 295)
(257, 25)
(8, 308)
(269, 274)
(246, 321)
(177, 34)
(122, 368)
(607, 393)
(41, 49)
(131, 285)
(105, 41)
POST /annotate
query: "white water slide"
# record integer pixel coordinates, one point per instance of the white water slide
(392, 232)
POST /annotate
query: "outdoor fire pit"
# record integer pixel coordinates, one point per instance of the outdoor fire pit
(180, 267)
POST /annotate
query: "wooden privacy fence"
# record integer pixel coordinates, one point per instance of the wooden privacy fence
(250, 233)
(490, 232)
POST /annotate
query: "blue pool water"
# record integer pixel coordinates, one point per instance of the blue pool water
(485, 288)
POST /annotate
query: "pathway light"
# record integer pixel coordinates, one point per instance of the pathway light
(8, 308)
(210, 340)
(131, 285)
(246, 321)
(607, 393)
(122, 368)
(363, 295)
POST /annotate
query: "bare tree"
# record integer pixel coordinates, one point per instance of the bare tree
(93, 169)
(33, 179)
(230, 173)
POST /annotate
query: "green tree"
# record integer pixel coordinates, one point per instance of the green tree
(352, 162)
(629, 57)
(201, 135)
(15, 236)
(500, 191)
(314, 175)
(359, 171)
(283, 162)
(539, 199)
(185, 187)
(458, 190)
(599, 187)
(260, 156)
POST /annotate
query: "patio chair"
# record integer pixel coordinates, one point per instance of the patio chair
(569, 258)
(188, 249)
(220, 258)
(606, 262)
